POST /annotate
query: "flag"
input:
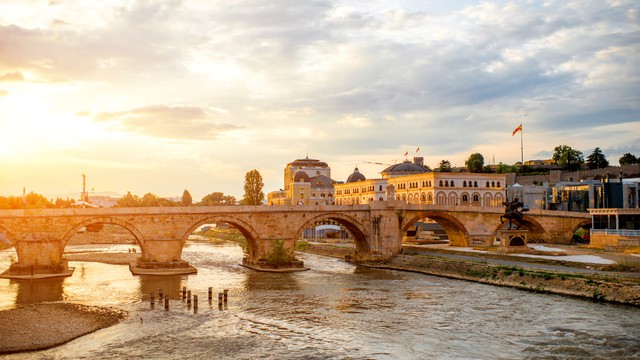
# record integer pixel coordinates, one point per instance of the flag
(418, 149)
(406, 153)
(519, 128)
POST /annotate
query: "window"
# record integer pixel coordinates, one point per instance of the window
(464, 183)
(493, 184)
(487, 184)
(440, 182)
(476, 198)
(446, 183)
(475, 184)
(498, 184)
(465, 198)
(452, 184)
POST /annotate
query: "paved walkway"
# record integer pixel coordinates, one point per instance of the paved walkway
(574, 255)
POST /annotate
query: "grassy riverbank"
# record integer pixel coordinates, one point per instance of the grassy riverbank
(596, 287)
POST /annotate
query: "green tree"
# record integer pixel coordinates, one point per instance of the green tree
(218, 199)
(186, 198)
(475, 163)
(628, 159)
(253, 185)
(128, 200)
(597, 160)
(279, 255)
(444, 166)
(567, 157)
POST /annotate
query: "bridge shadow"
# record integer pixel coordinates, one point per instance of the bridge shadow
(171, 285)
(39, 290)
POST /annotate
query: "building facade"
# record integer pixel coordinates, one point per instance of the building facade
(306, 182)
(413, 183)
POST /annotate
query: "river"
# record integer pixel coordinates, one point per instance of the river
(336, 310)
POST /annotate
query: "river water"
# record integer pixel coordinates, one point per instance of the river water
(334, 311)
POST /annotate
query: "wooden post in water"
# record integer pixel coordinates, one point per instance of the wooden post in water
(152, 298)
(225, 295)
(184, 292)
(159, 294)
(220, 300)
(210, 293)
(195, 302)
(166, 303)
(188, 297)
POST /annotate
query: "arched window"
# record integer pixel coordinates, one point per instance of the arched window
(319, 183)
(440, 182)
(404, 197)
(465, 198)
(487, 184)
(475, 184)
(430, 198)
(452, 184)
(381, 199)
(423, 197)
(493, 184)
(446, 183)
(464, 183)
(476, 198)
(398, 197)
(380, 188)
(498, 184)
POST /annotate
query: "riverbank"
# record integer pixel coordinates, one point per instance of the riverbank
(41, 326)
(606, 287)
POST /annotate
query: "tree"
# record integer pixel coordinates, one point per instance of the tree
(186, 198)
(597, 160)
(475, 163)
(567, 157)
(128, 200)
(444, 166)
(218, 199)
(628, 159)
(253, 185)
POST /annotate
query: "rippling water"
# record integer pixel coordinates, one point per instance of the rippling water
(335, 310)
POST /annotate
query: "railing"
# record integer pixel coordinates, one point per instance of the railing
(616, 232)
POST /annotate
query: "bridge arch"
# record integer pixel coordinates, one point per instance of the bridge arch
(456, 231)
(104, 220)
(352, 225)
(245, 229)
(8, 235)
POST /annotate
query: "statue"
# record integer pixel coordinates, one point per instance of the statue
(513, 212)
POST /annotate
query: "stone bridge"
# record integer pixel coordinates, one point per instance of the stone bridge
(40, 235)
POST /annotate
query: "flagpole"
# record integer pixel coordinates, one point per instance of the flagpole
(521, 148)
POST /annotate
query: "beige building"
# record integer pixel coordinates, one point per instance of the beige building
(415, 184)
(306, 182)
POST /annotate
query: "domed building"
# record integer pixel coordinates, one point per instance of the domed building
(306, 182)
(355, 176)
(414, 183)
(405, 168)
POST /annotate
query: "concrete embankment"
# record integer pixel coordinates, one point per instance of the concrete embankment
(597, 287)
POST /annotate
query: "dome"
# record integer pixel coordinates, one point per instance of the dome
(301, 176)
(404, 168)
(356, 176)
(321, 182)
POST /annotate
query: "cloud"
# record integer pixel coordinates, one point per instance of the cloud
(169, 122)
(12, 76)
(4, 92)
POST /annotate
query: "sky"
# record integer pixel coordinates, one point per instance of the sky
(163, 96)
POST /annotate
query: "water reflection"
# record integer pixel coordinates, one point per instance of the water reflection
(38, 290)
(171, 285)
(266, 281)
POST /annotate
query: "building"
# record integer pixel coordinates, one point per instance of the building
(413, 183)
(306, 182)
